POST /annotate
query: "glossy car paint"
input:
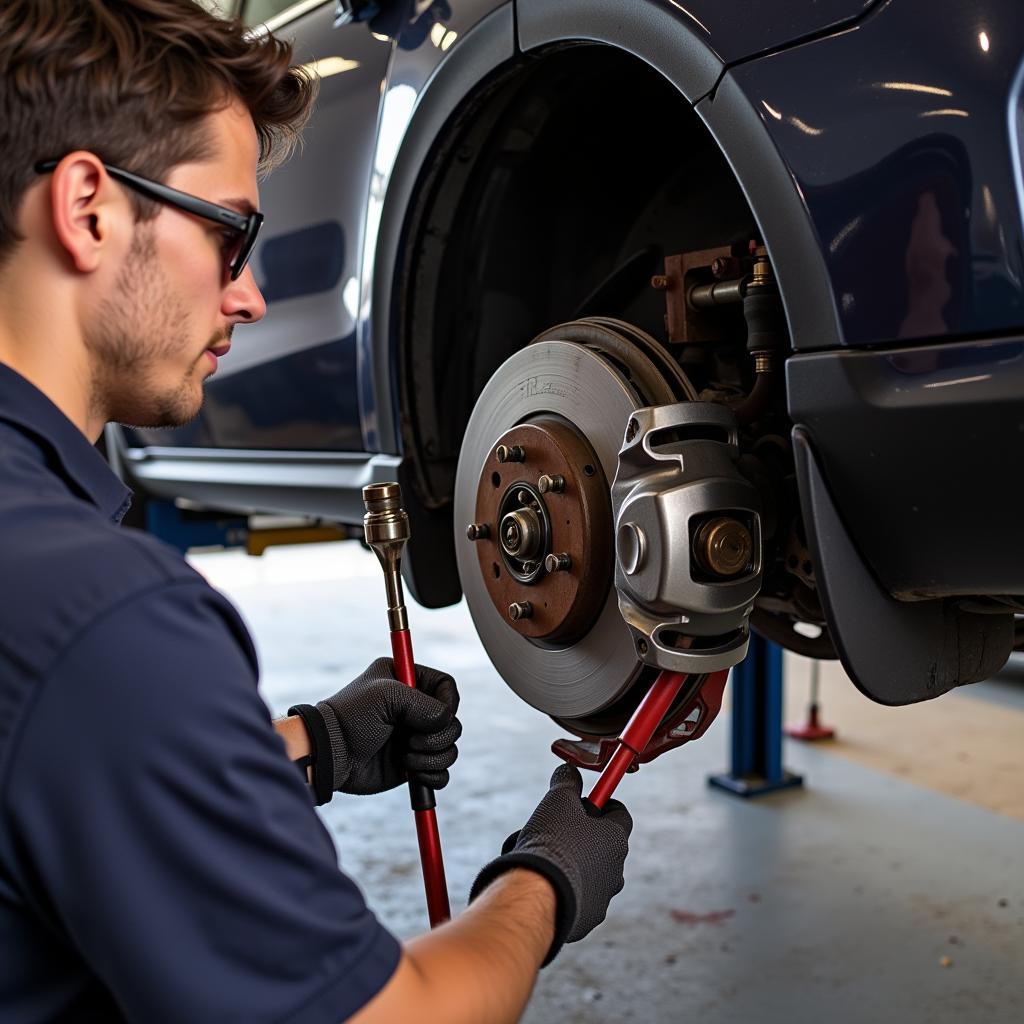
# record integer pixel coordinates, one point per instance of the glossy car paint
(706, 35)
(760, 26)
(422, 44)
(897, 136)
(921, 447)
(289, 383)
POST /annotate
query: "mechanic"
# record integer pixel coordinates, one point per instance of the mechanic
(160, 857)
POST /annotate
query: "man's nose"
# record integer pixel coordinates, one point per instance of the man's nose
(243, 300)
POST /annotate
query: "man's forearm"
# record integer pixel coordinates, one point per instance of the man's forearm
(296, 738)
(489, 957)
(293, 732)
(479, 968)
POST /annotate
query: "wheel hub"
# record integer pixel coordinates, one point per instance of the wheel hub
(547, 542)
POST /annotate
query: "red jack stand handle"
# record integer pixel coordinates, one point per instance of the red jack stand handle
(423, 803)
(637, 734)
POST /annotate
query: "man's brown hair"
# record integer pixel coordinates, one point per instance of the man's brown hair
(131, 81)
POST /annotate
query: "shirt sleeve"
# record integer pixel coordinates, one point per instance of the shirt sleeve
(167, 836)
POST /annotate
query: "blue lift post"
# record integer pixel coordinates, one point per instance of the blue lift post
(757, 725)
(191, 530)
(175, 527)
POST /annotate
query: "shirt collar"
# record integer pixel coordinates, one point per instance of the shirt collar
(74, 460)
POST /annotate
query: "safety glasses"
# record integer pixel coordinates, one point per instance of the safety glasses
(246, 226)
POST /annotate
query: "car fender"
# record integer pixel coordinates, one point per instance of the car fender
(690, 44)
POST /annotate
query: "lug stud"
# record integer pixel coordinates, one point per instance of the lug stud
(560, 562)
(510, 453)
(520, 610)
(554, 483)
(478, 531)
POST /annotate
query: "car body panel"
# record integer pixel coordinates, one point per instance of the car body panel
(703, 36)
(761, 25)
(897, 135)
(289, 382)
(920, 447)
(428, 55)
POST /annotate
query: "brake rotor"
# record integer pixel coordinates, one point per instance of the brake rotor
(533, 481)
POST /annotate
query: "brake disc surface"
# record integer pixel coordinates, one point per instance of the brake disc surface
(550, 380)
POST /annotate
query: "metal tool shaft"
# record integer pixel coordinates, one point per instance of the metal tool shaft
(386, 526)
(637, 734)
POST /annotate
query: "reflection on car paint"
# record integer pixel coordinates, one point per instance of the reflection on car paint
(302, 402)
(302, 262)
(908, 186)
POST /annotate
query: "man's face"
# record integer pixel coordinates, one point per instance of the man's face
(156, 335)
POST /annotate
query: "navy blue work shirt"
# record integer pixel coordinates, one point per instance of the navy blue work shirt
(160, 857)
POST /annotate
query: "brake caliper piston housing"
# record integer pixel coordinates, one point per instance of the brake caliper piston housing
(688, 557)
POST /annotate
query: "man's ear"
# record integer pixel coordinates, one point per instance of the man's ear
(87, 206)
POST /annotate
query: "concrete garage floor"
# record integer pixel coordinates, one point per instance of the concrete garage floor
(838, 902)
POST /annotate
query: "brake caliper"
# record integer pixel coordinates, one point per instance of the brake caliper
(687, 538)
(688, 562)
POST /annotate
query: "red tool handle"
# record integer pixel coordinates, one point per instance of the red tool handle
(637, 734)
(423, 803)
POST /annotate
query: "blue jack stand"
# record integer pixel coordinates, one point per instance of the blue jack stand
(757, 725)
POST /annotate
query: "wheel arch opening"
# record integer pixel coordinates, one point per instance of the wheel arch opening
(555, 192)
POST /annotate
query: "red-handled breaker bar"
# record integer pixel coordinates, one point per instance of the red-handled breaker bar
(423, 802)
(650, 732)
(386, 526)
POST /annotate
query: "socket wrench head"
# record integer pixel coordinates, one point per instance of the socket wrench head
(386, 523)
(386, 526)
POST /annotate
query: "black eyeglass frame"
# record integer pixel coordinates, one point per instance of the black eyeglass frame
(246, 224)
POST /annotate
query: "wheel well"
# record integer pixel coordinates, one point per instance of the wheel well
(554, 194)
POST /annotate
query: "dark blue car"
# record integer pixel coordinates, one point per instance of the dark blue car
(671, 317)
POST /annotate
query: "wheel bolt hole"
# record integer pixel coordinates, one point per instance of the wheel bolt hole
(496, 569)
(589, 470)
(496, 479)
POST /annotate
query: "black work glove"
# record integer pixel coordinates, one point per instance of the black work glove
(580, 850)
(376, 733)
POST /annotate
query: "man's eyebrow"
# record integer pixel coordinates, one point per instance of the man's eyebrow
(240, 204)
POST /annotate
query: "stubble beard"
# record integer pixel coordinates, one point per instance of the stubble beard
(142, 327)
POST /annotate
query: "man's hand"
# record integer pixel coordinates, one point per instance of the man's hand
(376, 733)
(579, 850)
